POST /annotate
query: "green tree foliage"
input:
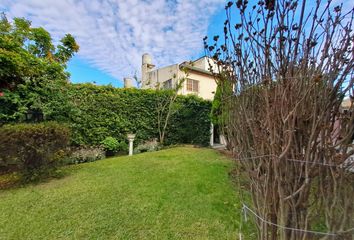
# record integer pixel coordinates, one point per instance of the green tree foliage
(32, 69)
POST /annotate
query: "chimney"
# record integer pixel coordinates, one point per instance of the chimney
(128, 83)
(146, 66)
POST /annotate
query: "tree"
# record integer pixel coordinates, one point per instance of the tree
(32, 68)
(291, 69)
(166, 105)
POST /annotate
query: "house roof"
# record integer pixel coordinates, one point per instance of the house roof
(188, 65)
(195, 69)
(199, 58)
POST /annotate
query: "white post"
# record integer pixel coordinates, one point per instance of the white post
(130, 147)
(212, 135)
(131, 137)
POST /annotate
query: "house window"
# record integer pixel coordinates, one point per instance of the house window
(167, 84)
(192, 85)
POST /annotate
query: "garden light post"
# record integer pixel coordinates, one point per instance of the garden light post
(131, 137)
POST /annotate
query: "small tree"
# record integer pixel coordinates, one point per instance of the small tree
(166, 104)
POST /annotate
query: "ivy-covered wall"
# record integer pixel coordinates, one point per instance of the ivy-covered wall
(97, 112)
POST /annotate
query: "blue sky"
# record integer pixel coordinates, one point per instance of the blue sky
(83, 71)
(113, 34)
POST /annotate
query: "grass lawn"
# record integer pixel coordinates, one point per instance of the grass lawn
(179, 193)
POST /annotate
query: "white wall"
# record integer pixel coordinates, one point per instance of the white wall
(207, 85)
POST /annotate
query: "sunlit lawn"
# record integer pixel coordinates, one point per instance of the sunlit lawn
(179, 193)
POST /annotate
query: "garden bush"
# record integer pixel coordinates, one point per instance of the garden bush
(110, 145)
(148, 146)
(33, 149)
(85, 154)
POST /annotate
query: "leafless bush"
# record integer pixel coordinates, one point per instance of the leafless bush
(291, 67)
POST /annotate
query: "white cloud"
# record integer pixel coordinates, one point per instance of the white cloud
(113, 34)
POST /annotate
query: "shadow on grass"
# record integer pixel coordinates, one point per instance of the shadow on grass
(16, 179)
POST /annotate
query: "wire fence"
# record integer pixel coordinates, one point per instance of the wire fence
(347, 163)
(247, 211)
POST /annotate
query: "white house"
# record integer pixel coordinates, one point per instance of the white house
(196, 76)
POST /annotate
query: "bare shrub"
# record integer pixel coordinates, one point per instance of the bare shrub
(290, 69)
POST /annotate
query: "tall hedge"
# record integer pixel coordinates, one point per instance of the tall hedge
(97, 112)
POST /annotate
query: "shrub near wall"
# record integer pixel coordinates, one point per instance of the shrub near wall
(101, 111)
(33, 149)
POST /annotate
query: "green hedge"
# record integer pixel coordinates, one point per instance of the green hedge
(33, 149)
(97, 112)
(191, 124)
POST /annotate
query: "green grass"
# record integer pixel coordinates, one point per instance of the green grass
(179, 193)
